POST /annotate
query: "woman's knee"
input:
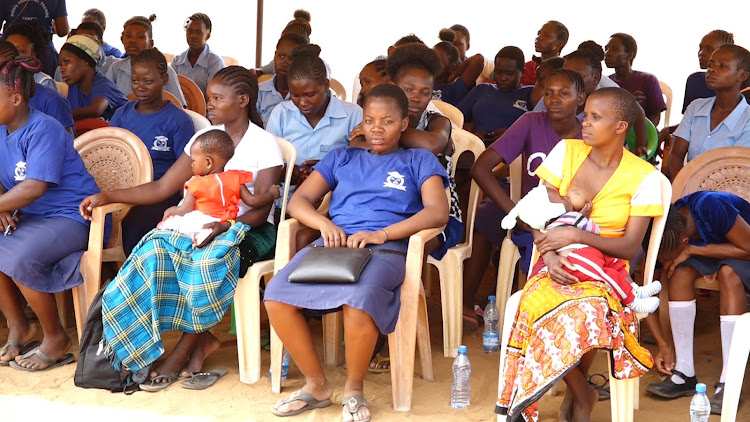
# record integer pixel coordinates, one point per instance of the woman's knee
(728, 278)
(354, 317)
(278, 308)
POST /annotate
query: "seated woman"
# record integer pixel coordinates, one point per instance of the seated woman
(532, 136)
(300, 25)
(138, 35)
(357, 177)
(371, 75)
(542, 73)
(42, 180)
(276, 90)
(708, 234)
(619, 55)
(163, 127)
(90, 94)
(457, 77)
(97, 16)
(549, 42)
(27, 36)
(625, 193)
(231, 98)
(715, 122)
(492, 108)
(198, 62)
(314, 121)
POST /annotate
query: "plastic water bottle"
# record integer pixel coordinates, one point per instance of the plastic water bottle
(700, 407)
(491, 337)
(461, 391)
(284, 365)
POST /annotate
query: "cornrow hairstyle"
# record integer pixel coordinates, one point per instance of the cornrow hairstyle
(447, 35)
(622, 102)
(18, 75)
(300, 24)
(33, 31)
(724, 36)
(393, 92)
(571, 76)
(462, 29)
(217, 143)
(628, 42)
(379, 65)
(7, 49)
(674, 230)
(97, 15)
(513, 53)
(412, 56)
(199, 17)
(143, 21)
(296, 39)
(408, 39)
(562, 32)
(306, 64)
(553, 63)
(243, 82)
(151, 55)
(450, 50)
(590, 52)
(92, 26)
(743, 59)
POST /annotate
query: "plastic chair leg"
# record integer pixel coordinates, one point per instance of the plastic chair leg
(247, 318)
(452, 297)
(509, 255)
(277, 350)
(623, 394)
(511, 306)
(738, 354)
(423, 341)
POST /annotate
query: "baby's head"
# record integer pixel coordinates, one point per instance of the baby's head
(210, 152)
(556, 198)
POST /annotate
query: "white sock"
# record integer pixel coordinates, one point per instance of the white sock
(727, 329)
(682, 319)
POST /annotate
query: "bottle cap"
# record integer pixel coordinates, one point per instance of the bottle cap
(700, 388)
(491, 298)
(462, 350)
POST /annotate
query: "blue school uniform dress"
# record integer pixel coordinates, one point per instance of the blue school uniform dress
(53, 104)
(45, 251)
(452, 93)
(119, 73)
(715, 213)
(491, 109)
(695, 127)
(205, 68)
(370, 192)
(110, 50)
(268, 98)
(102, 88)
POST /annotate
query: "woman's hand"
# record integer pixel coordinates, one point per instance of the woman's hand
(90, 202)
(556, 265)
(8, 220)
(356, 132)
(556, 239)
(216, 228)
(305, 169)
(663, 361)
(686, 253)
(333, 235)
(364, 238)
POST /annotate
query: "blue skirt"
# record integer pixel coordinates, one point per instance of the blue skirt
(708, 266)
(44, 254)
(378, 291)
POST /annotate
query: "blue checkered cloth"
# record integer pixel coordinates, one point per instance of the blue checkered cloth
(165, 285)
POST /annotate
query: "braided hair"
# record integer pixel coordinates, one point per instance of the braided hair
(33, 31)
(674, 231)
(151, 55)
(243, 82)
(724, 36)
(7, 50)
(743, 60)
(572, 76)
(306, 64)
(142, 21)
(199, 17)
(18, 75)
(590, 52)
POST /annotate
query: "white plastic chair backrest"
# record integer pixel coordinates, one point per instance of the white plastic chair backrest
(464, 141)
(199, 122)
(666, 90)
(338, 90)
(289, 153)
(516, 179)
(451, 112)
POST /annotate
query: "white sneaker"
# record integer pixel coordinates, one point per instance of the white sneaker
(645, 305)
(648, 290)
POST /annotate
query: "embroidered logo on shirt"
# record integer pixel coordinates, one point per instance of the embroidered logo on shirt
(20, 171)
(394, 181)
(521, 105)
(160, 144)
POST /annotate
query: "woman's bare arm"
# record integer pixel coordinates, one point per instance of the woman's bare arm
(22, 195)
(266, 178)
(676, 157)
(481, 172)
(97, 107)
(435, 138)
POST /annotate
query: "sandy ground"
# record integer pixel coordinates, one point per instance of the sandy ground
(52, 395)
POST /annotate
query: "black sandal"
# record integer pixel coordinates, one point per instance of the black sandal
(669, 390)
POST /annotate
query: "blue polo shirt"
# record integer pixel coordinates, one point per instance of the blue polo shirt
(102, 88)
(53, 104)
(489, 109)
(268, 98)
(695, 127)
(42, 150)
(695, 88)
(206, 66)
(331, 132)
(165, 132)
(452, 93)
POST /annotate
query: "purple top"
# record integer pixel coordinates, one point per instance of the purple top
(646, 90)
(531, 135)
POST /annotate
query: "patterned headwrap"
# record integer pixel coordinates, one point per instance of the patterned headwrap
(86, 48)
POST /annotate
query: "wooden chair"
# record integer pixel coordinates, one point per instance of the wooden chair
(666, 90)
(117, 159)
(194, 97)
(247, 295)
(165, 94)
(338, 90)
(84, 125)
(736, 368)
(264, 77)
(623, 393)
(509, 254)
(199, 120)
(451, 266)
(451, 112)
(411, 329)
(230, 61)
(62, 87)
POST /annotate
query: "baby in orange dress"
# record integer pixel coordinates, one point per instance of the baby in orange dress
(212, 194)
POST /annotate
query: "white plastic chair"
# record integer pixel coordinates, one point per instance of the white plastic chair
(451, 112)
(666, 90)
(509, 254)
(736, 368)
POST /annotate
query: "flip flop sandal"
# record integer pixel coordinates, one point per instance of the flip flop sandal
(600, 386)
(353, 403)
(305, 397)
(51, 363)
(203, 380)
(23, 349)
(156, 383)
(380, 360)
